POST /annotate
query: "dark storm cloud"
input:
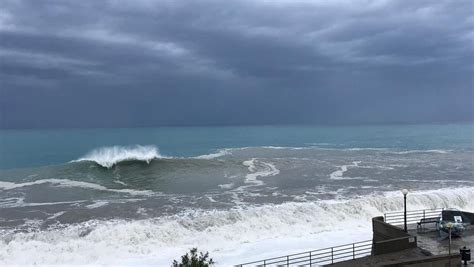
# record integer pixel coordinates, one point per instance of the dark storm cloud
(142, 63)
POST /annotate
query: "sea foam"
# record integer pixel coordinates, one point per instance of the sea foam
(71, 183)
(339, 174)
(109, 156)
(231, 236)
(257, 169)
(218, 154)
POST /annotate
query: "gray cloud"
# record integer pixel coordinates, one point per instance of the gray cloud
(143, 63)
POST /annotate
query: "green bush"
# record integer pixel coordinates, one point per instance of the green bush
(192, 259)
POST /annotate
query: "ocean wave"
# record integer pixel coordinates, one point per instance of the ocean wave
(342, 148)
(226, 186)
(436, 151)
(397, 151)
(364, 149)
(111, 242)
(20, 202)
(218, 154)
(72, 183)
(257, 169)
(287, 147)
(109, 156)
(97, 204)
(339, 174)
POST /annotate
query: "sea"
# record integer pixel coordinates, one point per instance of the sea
(145, 196)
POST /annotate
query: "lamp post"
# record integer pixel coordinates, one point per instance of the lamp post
(450, 226)
(405, 192)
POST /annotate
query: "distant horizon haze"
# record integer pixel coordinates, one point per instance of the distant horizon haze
(316, 125)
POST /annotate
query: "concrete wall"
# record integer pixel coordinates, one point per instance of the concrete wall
(470, 215)
(388, 238)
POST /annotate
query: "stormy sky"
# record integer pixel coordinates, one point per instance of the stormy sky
(153, 63)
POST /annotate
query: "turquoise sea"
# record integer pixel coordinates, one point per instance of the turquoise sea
(26, 148)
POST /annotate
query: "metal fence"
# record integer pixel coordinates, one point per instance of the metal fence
(413, 216)
(318, 257)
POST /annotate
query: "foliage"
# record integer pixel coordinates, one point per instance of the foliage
(192, 259)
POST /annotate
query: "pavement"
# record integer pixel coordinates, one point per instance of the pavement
(430, 240)
(429, 244)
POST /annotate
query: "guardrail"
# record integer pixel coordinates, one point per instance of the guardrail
(318, 257)
(413, 216)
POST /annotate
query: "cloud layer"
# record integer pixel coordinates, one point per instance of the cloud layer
(143, 63)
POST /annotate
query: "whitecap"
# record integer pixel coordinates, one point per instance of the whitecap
(226, 186)
(97, 204)
(109, 156)
(71, 183)
(220, 153)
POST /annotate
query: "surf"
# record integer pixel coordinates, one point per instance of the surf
(5, 186)
(112, 241)
(108, 157)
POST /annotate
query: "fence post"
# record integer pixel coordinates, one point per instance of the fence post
(353, 251)
(310, 263)
(332, 255)
(264, 263)
(423, 214)
(287, 260)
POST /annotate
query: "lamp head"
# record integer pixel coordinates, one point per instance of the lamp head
(405, 192)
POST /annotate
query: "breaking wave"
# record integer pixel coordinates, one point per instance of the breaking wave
(110, 242)
(71, 183)
(109, 156)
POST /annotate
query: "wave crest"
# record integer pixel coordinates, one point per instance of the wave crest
(71, 183)
(109, 156)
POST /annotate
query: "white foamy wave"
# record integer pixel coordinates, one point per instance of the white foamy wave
(71, 183)
(287, 147)
(339, 174)
(7, 203)
(55, 215)
(231, 236)
(226, 186)
(109, 156)
(218, 154)
(97, 204)
(257, 169)
(366, 148)
(436, 151)
(393, 151)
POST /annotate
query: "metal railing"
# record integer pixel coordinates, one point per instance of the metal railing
(318, 257)
(413, 216)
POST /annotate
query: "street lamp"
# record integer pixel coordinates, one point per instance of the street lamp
(405, 192)
(450, 226)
